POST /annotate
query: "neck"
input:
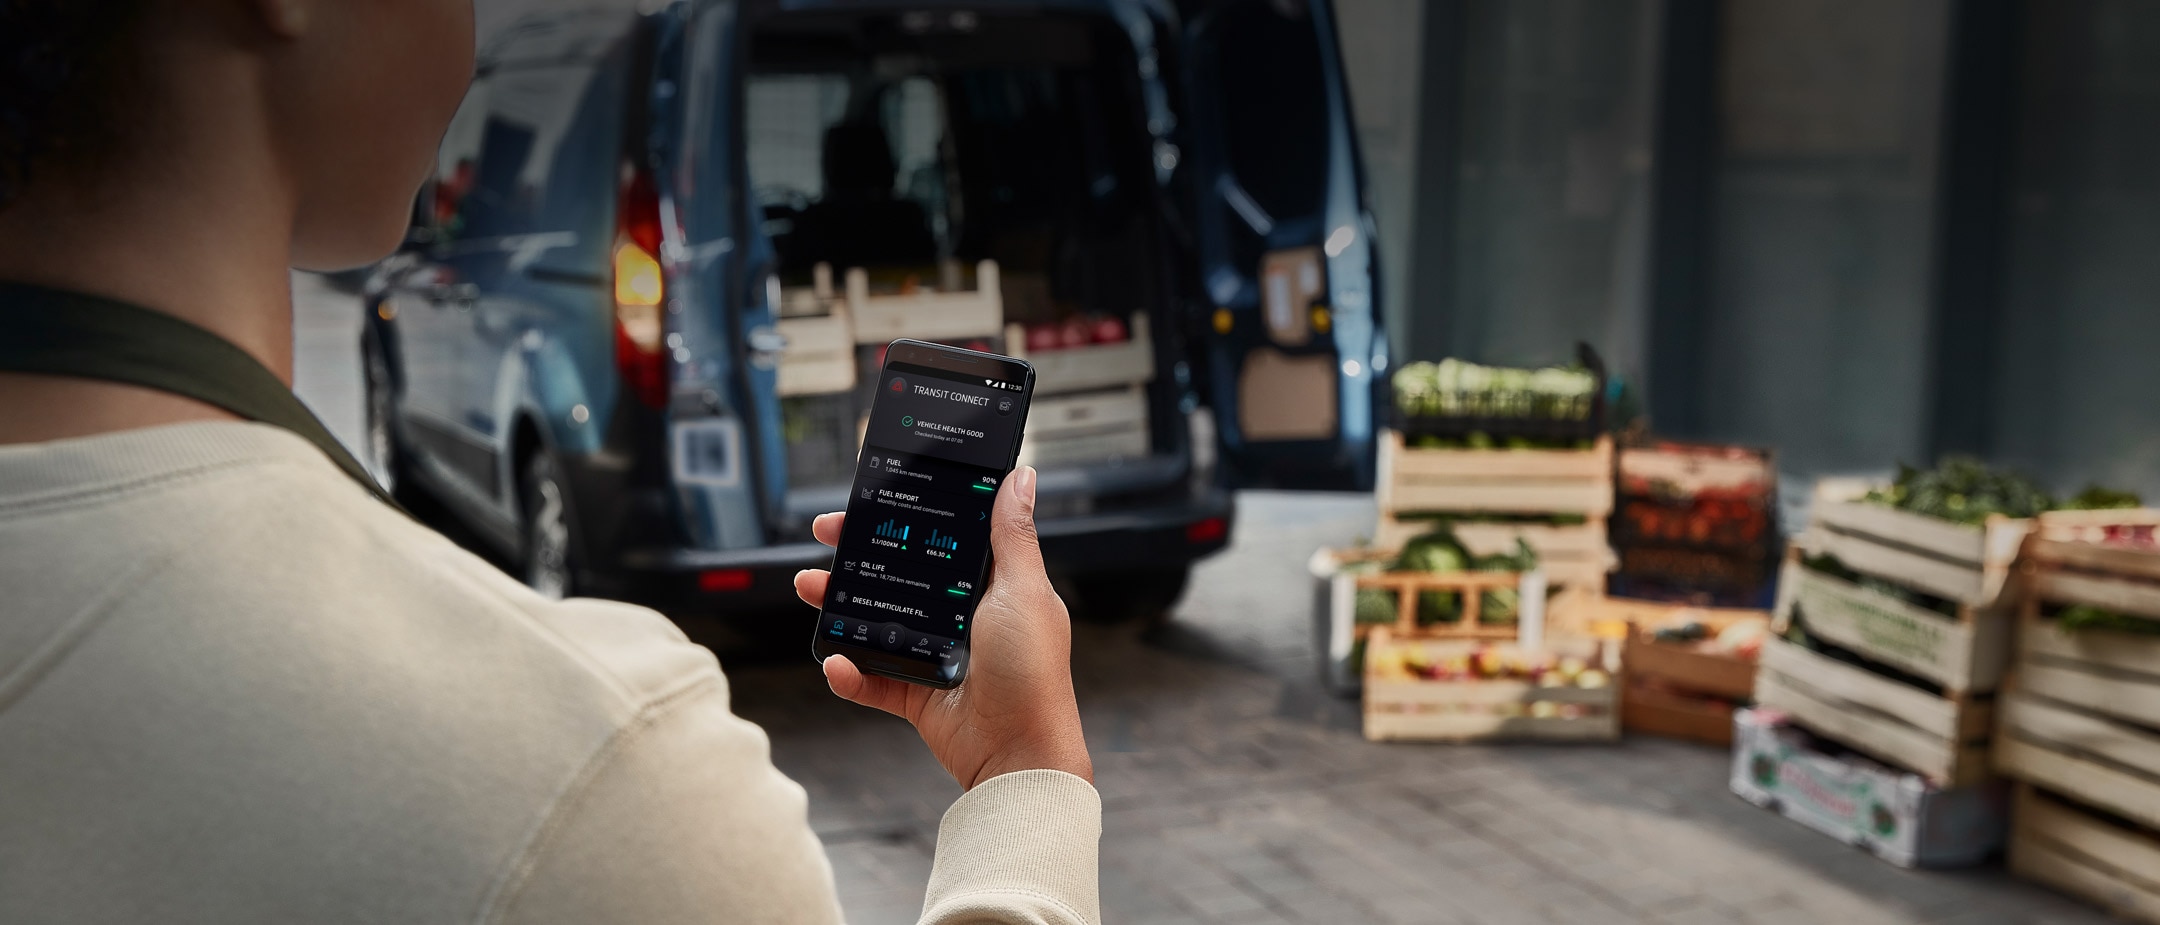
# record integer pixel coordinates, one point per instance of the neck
(200, 229)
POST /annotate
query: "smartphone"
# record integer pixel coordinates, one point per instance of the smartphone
(943, 434)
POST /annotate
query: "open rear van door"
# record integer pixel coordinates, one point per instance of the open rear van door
(1294, 353)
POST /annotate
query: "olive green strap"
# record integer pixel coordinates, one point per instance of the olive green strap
(61, 333)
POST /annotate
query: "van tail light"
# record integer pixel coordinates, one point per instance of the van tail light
(714, 581)
(1209, 530)
(640, 290)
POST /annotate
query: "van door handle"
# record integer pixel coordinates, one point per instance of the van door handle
(766, 345)
(461, 295)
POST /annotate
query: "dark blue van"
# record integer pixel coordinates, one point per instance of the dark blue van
(629, 340)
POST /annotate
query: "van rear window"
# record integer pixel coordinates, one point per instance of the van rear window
(1274, 106)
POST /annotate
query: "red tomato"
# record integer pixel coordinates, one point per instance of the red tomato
(1042, 336)
(1110, 329)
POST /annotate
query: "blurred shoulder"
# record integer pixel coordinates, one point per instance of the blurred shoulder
(248, 523)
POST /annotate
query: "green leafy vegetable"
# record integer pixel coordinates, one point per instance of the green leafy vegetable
(1965, 490)
(1453, 388)
(2081, 617)
(1374, 605)
(1438, 551)
(2097, 498)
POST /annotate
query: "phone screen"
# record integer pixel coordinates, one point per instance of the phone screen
(915, 551)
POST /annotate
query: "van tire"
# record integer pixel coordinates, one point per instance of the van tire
(384, 454)
(1143, 596)
(547, 543)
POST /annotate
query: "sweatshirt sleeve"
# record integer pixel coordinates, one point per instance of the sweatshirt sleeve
(1019, 848)
(680, 818)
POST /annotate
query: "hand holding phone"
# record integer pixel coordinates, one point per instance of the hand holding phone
(1016, 710)
(942, 436)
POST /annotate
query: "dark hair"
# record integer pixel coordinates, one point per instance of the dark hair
(66, 72)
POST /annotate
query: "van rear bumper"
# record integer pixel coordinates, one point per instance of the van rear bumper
(715, 581)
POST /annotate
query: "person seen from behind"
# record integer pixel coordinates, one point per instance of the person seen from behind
(235, 686)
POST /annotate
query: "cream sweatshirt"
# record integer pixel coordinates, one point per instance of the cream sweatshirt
(235, 688)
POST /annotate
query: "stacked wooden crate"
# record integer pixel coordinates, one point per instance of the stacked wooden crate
(1696, 523)
(1924, 700)
(833, 343)
(1685, 689)
(2080, 718)
(1467, 681)
(949, 312)
(822, 329)
(1090, 401)
(1511, 489)
(818, 335)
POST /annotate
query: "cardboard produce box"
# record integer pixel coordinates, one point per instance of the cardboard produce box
(1895, 815)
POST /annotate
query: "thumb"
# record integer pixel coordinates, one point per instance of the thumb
(1012, 528)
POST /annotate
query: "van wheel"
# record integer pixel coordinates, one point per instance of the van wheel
(546, 560)
(384, 456)
(1144, 596)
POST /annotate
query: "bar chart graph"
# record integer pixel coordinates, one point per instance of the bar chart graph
(940, 541)
(894, 530)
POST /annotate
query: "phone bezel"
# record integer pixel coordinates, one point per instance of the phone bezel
(911, 352)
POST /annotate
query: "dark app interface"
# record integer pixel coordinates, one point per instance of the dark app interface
(909, 569)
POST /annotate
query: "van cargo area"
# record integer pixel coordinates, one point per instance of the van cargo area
(979, 180)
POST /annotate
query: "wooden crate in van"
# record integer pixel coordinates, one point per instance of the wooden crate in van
(945, 313)
(1090, 401)
(819, 356)
(1086, 427)
(1090, 366)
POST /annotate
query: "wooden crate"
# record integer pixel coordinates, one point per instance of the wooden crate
(1954, 561)
(1571, 555)
(1657, 712)
(1939, 737)
(1086, 427)
(2082, 716)
(948, 313)
(1417, 480)
(2102, 860)
(1696, 519)
(1413, 709)
(1681, 690)
(2082, 755)
(2110, 673)
(1967, 652)
(1470, 587)
(1095, 366)
(819, 356)
(1470, 483)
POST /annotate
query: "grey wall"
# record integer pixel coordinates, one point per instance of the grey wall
(1552, 186)
(1508, 144)
(1382, 46)
(2078, 380)
(1828, 118)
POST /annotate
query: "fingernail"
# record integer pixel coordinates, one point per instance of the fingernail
(1027, 485)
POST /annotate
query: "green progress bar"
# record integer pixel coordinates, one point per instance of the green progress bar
(956, 591)
(981, 487)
